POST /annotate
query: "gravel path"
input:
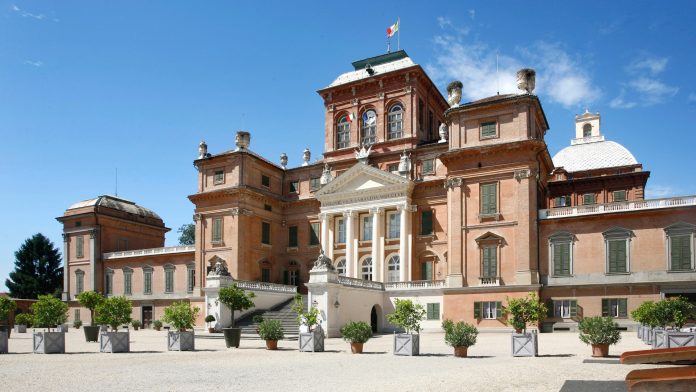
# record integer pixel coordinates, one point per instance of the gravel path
(564, 364)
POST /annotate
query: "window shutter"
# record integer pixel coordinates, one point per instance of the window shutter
(498, 310)
(550, 308)
(477, 310)
(426, 222)
(285, 277)
(436, 311)
(292, 236)
(605, 307)
(623, 307)
(573, 308)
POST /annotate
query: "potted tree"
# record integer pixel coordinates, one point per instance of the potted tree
(257, 319)
(408, 316)
(461, 336)
(673, 313)
(209, 319)
(600, 332)
(312, 338)
(49, 312)
(157, 325)
(136, 324)
(7, 306)
(522, 312)
(271, 331)
(643, 314)
(235, 299)
(22, 321)
(77, 324)
(90, 300)
(357, 333)
(114, 311)
(182, 316)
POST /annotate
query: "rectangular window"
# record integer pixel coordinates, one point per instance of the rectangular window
(80, 247)
(619, 196)
(268, 207)
(219, 177)
(561, 259)
(190, 279)
(147, 282)
(489, 310)
(488, 129)
(217, 229)
(394, 225)
(265, 233)
(588, 198)
(433, 311)
(292, 236)
(343, 134)
(615, 307)
(680, 252)
(366, 228)
(295, 187)
(566, 308)
(108, 283)
(426, 223)
(617, 256)
(393, 168)
(489, 269)
(489, 198)
(561, 201)
(265, 275)
(77, 315)
(169, 280)
(340, 231)
(265, 181)
(79, 282)
(314, 184)
(314, 233)
(428, 166)
(128, 283)
(427, 270)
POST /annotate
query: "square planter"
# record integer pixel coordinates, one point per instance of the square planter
(639, 331)
(312, 341)
(181, 341)
(525, 344)
(114, 342)
(659, 340)
(49, 342)
(679, 339)
(4, 346)
(406, 344)
(20, 328)
(645, 335)
(62, 328)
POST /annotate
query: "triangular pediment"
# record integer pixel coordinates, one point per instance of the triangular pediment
(364, 181)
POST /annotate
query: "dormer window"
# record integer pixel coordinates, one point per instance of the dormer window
(219, 177)
(369, 126)
(343, 132)
(396, 122)
(489, 130)
(587, 130)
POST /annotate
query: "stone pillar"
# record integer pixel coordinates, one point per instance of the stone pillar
(377, 255)
(351, 268)
(403, 243)
(526, 229)
(455, 240)
(324, 294)
(324, 232)
(213, 283)
(66, 270)
(331, 238)
(93, 258)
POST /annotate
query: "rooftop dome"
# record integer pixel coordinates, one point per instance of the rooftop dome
(592, 155)
(116, 203)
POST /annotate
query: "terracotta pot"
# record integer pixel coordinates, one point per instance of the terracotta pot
(271, 344)
(460, 351)
(211, 330)
(356, 348)
(600, 350)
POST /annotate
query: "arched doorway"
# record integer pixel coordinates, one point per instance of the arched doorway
(373, 319)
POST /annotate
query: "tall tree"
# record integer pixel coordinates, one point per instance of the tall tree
(38, 269)
(187, 234)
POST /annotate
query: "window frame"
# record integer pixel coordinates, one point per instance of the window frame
(622, 191)
(428, 169)
(169, 271)
(561, 238)
(367, 266)
(484, 208)
(217, 231)
(108, 281)
(127, 281)
(314, 184)
(432, 311)
(680, 230)
(365, 227)
(294, 187)
(389, 233)
(340, 230)
(427, 230)
(147, 280)
(394, 268)
(395, 121)
(479, 310)
(190, 277)
(372, 138)
(587, 128)
(314, 234)
(79, 281)
(218, 176)
(571, 308)
(393, 168)
(584, 199)
(488, 247)
(343, 129)
(265, 233)
(293, 240)
(341, 266)
(80, 247)
(266, 181)
(613, 235)
(485, 125)
(620, 304)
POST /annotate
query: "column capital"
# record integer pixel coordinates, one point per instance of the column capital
(348, 214)
(452, 183)
(197, 217)
(65, 237)
(93, 233)
(377, 211)
(324, 216)
(407, 208)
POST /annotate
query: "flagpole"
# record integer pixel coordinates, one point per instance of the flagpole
(398, 34)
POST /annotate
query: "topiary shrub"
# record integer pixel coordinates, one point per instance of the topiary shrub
(77, 324)
(407, 315)
(181, 315)
(24, 319)
(271, 330)
(459, 334)
(157, 325)
(49, 312)
(599, 330)
(114, 312)
(521, 312)
(236, 299)
(356, 332)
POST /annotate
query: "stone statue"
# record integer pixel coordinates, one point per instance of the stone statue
(326, 176)
(404, 164)
(454, 93)
(284, 160)
(443, 133)
(219, 269)
(526, 80)
(306, 156)
(323, 262)
(242, 140)
(363, 154)
(202, 150)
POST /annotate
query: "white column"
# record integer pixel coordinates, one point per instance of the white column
(330, 239)
(403, 243)
(376, 266)
(351, 269)
(66, 270)
(325, 244)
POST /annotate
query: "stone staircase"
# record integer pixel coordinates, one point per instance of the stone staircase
(282, 313)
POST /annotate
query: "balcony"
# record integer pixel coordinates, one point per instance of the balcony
(487, 281)
(609, 208)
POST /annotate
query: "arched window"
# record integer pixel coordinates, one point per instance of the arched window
(587, 130)
(343, 132)
(369, 125)
(393, 269)
(341, 267)
(367, 268)
(396, 122)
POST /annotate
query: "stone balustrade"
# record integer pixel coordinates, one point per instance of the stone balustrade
(149, 252)
(265, 286)
(485, 281)
(636, 205)
(366, 284)
(415, 285)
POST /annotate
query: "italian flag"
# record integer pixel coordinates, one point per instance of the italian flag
(350, 117)
(392, 29)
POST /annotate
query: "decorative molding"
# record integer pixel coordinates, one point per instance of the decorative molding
(523, 173)
(93, 233)
(355, 101)
(452, 183)
(377, 210)
(330, 107)
(66, 237)
(197, 217)
(408, 89)
(380, 95)
(348, 214)
(236, 211)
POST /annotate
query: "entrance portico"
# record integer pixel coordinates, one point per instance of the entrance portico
(365, 217)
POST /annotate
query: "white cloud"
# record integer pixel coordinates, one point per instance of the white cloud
(33, 63)
(444, 22)
(659, 191)
(620, 103)
(692, 97)
(653, 65)
(27, 14)
(472, 14)
(652, 91)
(644, 86)
(559, 76)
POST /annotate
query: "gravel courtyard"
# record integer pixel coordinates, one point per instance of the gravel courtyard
(564, 364)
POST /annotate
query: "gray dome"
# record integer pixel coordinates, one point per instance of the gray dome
(116, 203)
(593, 155)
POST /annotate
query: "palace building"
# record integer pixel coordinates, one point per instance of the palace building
(458, 206)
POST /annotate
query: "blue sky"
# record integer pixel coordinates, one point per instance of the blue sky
(87, 87)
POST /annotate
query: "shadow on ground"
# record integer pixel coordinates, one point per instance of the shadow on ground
(594, 386)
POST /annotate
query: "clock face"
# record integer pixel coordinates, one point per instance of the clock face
(369, 118)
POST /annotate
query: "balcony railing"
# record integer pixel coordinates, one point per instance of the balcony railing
(265, 286)
(415, 285)
(353, 282)
(490, 281)
(150, 252)
(609, 208)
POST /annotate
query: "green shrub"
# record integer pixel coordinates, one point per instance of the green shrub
(209, 318)
(460, 334)
(356, 332)
(114, 312)
(181, 315)
(90, 300)
(157, 324)
(271, 330)
(309, 318)
(645, 314)
(599, 330)
(521, 312)
(49, 312)
(236, 299)
(257, 318)
(407, 315)
(24, 319)
(77, 324)
(680, 310)
(136, 323)
(7, 306)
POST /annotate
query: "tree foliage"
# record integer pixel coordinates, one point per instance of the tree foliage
(524, 311)
(599, 330)
(181, 315)
(90, 300)
(49, 312)
(114, 311)
(7, 306)
(38, 269)
(459, 334)
(187, 234)
(309, 318)
(236, 299)
(407, 315)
